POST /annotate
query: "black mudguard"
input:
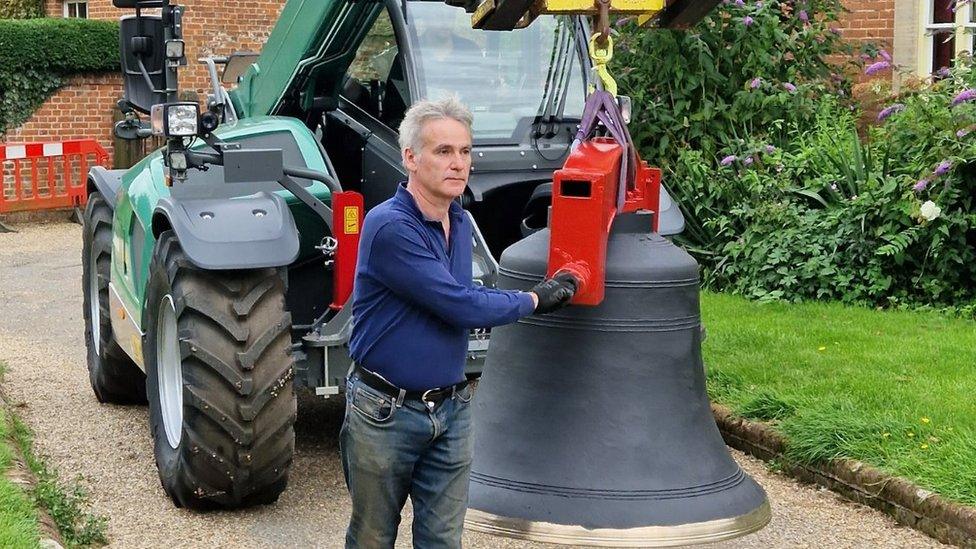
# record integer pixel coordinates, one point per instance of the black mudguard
(107, 182)
(246, 232)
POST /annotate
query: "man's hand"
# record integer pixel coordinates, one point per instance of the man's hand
(554, 293)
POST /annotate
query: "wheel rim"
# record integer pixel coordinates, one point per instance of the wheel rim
(169, 372)
(94, 310)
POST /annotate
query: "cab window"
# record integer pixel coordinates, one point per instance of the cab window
(376, 80)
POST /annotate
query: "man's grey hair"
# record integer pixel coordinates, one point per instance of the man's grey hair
(424, 111)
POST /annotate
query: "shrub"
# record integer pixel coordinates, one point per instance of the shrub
(749, 71)
(36, 55)
(21, 9)
(885, 221)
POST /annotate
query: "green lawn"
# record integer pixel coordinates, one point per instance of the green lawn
(18, 521)
(894, 389)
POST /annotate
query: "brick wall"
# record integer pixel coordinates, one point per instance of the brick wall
(211, 27)
(80, 110)
(869, 21)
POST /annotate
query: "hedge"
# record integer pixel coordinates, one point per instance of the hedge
(20, 9)
(37, 54)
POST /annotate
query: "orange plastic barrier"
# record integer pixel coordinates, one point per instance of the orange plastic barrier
(55, 172)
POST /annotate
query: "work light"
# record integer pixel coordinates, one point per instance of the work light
(175, 49)
(175, 119)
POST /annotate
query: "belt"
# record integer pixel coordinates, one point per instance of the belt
(430, 397)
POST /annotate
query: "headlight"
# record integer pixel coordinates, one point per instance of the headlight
(174, 49)
(175, 119)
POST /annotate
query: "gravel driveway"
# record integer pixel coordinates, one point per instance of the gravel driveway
(41, 340)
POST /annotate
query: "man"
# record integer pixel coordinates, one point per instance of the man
(407, 430)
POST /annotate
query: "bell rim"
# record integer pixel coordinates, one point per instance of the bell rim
(645, 536)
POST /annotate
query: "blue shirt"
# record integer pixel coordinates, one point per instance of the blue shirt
(414, 301)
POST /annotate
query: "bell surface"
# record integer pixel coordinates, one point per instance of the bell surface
(592, 424)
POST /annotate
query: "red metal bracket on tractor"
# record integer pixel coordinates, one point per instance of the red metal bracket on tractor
(347, 220)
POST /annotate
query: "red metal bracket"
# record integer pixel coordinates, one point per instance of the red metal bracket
(584, 204)
(347, 222)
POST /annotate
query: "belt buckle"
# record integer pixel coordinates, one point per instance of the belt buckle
(430, 403)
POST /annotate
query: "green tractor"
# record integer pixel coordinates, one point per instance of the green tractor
(218, 269)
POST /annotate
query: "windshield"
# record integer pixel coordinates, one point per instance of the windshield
(504, 77)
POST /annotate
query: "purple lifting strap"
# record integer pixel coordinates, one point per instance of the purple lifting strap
(601, 106)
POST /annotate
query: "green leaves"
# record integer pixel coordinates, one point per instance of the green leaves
(21, 9)
(36, 55)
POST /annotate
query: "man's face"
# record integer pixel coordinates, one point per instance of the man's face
(442, 165)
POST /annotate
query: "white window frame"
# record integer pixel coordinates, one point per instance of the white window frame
(963, 29)
(76, 3)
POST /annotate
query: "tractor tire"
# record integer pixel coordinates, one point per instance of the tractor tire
(114, 377)
(219, 380)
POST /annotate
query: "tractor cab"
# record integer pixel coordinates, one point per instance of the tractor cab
(353, 80)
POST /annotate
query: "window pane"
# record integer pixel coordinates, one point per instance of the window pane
(504, 77)
(72, 10)
(943, 50)
(376, 80)
(83, 10)
(942, 11)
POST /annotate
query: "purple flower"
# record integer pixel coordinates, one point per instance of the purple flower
(965, 95)
(888, 111)
(943, 72)
(728, 160)
(770, 149)
(964, 132)
(884, 55)
(943, 168)
(748, 20)
(740, 3)
(759, 5)
(920, 186)
(789, 87)
(803, 16)
(755, 83)
(747, 161)
(877, 67)
(623, 21)
(834, 30)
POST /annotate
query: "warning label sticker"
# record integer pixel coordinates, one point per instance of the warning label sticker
(351, 217)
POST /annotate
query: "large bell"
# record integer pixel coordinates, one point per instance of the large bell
(592, 425)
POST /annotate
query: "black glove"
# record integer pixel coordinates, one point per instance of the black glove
(554, 293)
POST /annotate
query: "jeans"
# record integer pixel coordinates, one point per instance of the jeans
(391, 452)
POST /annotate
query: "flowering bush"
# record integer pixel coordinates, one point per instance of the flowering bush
(783, 199)
(888, 220)
(751, 69)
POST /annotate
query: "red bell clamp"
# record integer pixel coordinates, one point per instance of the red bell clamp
(347, 221)
(602, 177)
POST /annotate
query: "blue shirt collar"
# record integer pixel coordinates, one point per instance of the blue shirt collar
(406, 199)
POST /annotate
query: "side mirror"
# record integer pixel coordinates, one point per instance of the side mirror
(143, 47)
(237, 64)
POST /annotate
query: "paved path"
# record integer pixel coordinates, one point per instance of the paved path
(41, 341)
